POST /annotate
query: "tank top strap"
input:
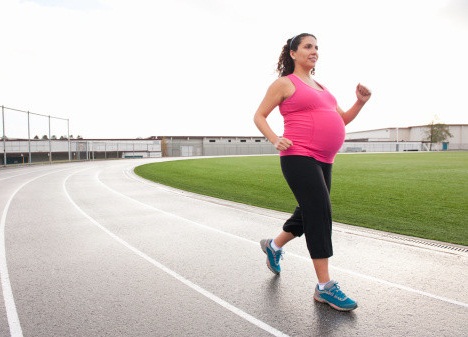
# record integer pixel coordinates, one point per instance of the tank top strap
(296, 81)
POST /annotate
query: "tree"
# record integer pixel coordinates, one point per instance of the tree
(45, 137)
(36, 137)
(436, 133)
(164, 147)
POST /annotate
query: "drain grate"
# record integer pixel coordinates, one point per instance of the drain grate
(415, 240)
(429, 243)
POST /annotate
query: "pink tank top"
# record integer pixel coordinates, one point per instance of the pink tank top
(312, 122)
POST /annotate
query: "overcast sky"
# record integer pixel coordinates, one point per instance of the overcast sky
(140, 68)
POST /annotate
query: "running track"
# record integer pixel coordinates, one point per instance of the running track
(90, 249)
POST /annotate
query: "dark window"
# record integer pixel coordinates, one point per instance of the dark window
(212, 141)
(257, 140)
(243, 140)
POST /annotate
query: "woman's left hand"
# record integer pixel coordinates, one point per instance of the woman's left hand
(362, 93)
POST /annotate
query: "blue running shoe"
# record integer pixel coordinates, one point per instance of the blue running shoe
(332, 295)
(273, 257)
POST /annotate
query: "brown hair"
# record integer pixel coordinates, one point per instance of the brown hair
(285, 62)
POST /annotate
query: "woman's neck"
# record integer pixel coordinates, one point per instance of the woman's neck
(303, 74)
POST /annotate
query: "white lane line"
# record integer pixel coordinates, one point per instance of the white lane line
(10, 307)
(391, 284)
(351, 272)
(12, 314)
(202, 291)
(22, 174)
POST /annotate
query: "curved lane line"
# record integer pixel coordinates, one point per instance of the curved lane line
(12, 314)
(391, 284)
(202, 291)
(351, 272)
(21, 174)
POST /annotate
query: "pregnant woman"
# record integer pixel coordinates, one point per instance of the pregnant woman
(314, 131)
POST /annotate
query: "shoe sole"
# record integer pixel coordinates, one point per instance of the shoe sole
(321, 300)
(262, 245)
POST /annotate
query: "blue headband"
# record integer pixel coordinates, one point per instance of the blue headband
(290, 43)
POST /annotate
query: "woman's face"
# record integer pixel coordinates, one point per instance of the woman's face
(306, 54)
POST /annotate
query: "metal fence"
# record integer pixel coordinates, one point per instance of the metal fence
(44, 151)
(383, 147)
(17, 128)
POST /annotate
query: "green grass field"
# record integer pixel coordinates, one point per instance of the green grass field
(418, 194)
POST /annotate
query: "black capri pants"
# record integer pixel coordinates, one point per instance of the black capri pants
(310, 182)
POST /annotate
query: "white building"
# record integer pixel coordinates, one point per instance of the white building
(406, 138)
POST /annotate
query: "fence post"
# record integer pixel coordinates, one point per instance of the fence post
(29, 141)
(68, 137)
(4, 140)
(50, 145)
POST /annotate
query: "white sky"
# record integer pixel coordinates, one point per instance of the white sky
(140, 68)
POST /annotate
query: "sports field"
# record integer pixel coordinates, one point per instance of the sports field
(418, 194)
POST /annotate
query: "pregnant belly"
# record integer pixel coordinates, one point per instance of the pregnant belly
(329, 132)
(321, 135)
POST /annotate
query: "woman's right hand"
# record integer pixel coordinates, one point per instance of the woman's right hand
(282, 144)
